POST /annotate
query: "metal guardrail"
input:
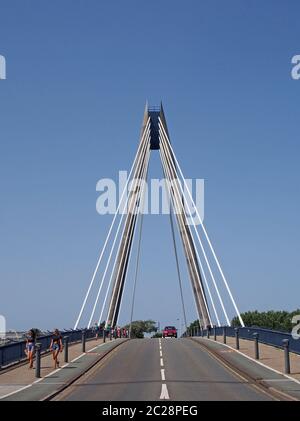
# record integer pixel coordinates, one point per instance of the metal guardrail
(265, 336)
(15, 352)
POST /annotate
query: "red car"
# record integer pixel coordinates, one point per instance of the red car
(170, 332)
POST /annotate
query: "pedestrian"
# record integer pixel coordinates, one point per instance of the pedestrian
(97, 330)
(30, 346)
(56, 346)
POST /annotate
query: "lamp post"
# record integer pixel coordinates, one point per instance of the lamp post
(179, 327)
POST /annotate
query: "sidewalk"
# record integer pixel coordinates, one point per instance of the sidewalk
(17, 377)
(268, 355)
(267, 372)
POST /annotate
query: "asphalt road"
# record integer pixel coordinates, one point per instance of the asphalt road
(152, 369)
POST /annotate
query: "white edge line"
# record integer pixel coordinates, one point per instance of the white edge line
(16, 391)
(256, 361)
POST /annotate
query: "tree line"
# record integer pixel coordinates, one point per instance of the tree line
(276, 320)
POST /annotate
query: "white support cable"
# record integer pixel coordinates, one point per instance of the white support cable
(176, 254)
(206, 235)
(136, 206)
(177, 223)
(119, 246)
(109, 258)
(140, 215)
(136, 271)
(110, 230)
(118, 254)
(110, 280)
(206, 284)
(203, 250)
(129, 259)
(163, 158)
(112, 273)
(205, 257)
(178, 204)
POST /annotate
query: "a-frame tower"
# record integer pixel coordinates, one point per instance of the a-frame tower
(154, 136)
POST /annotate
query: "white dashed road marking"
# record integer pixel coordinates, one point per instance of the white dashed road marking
(164, 394)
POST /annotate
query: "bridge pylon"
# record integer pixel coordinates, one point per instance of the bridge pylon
(155, 137)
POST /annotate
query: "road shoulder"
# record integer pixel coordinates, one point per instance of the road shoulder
(277, 384)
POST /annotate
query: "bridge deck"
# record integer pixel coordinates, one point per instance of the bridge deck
(134, 372)
(176, 369)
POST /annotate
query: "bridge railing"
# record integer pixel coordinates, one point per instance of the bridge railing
(15, 352)
(265, 336)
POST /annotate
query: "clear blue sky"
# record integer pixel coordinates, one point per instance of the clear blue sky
(78, 76)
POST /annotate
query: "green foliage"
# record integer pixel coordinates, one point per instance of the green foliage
(157, 335)
(140, 327)
(36, 332)
(275, 320)
(194, 325)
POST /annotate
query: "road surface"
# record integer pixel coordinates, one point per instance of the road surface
(153, 369)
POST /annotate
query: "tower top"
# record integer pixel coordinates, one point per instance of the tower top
(154, 113)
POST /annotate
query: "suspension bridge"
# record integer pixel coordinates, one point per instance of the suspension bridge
(212, 362)
(155, 138)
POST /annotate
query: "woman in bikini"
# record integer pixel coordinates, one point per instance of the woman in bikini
(30, 346)
(56, 346)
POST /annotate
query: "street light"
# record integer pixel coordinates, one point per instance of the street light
(179, 330)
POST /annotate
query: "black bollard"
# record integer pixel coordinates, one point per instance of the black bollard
(215, 333)
(38, 360)
(224, 335)
(287, 364)
(237, 338)
(83, 340)
(256, 349)
(66, 349)
(104, 335)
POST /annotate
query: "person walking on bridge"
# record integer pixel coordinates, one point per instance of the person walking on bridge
(56, 346)
(30, 346)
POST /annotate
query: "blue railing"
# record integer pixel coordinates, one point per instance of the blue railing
(15, 352)
(265, 336)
